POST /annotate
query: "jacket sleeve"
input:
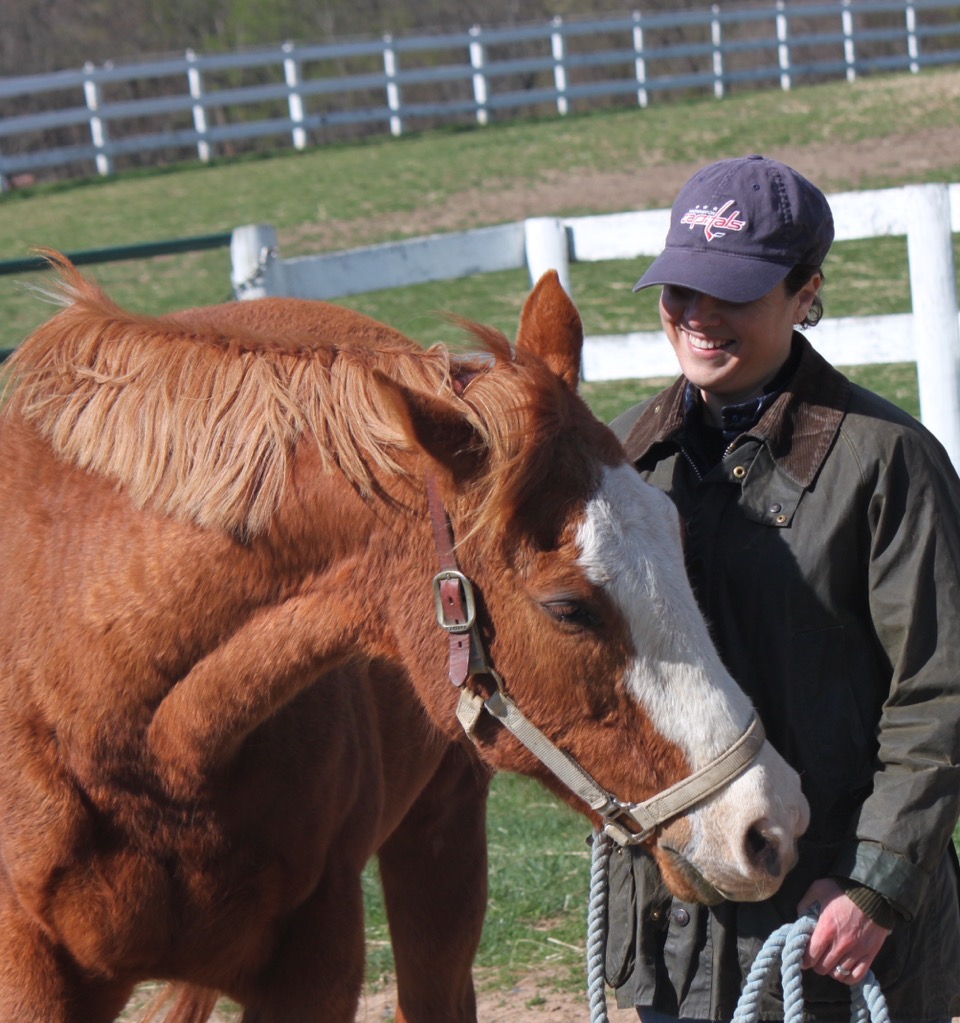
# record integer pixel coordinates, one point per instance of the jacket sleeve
(906, 823)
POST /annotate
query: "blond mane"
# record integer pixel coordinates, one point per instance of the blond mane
(201, 423)
(197, 414)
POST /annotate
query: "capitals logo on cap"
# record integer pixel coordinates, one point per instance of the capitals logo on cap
(715, 222)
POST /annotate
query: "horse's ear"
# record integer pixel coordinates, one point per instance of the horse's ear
(436, 426)
(550, 327)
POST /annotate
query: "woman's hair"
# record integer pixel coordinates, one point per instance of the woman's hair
(795, 280)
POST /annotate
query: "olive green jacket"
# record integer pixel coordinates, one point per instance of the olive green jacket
(825, 553)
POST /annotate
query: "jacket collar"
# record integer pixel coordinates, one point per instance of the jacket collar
(798, 429)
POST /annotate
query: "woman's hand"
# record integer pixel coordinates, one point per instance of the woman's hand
(845, 941)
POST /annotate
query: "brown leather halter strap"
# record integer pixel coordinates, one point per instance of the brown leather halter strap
(626, 823)
(453, 594)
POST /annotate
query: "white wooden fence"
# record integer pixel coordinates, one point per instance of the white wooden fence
(196, 105)
(925, 214)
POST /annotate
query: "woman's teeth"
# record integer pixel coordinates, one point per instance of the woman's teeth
(706, 344)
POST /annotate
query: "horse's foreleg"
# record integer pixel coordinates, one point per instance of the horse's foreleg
(434, 873)
(316, 971)
(39, 983)
(201, 723)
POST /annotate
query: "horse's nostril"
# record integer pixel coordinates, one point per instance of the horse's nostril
(757, 843)
(763, 849)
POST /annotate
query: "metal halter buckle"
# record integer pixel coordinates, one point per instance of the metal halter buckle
(469, 601)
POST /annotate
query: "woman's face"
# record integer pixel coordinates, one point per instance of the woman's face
(731, 350)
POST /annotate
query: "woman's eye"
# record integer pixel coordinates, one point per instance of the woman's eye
(572, 612)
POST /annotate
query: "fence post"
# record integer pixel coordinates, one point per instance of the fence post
(478, 60)
(393, 89)
(98, 128)
(849, 47)
(936, 329)
(195, 84)
(547, 248)
(783, 46)
(716, 39)
(641, 64)
(291, 75)
(559, 71)
(253, 249)
(913, 46)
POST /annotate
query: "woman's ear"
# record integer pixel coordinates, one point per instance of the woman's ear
(804, 298)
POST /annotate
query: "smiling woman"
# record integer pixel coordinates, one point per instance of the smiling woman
(813, 541)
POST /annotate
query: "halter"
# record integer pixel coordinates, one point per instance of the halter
(626, 823)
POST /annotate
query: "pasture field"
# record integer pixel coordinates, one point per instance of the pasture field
(878, 132)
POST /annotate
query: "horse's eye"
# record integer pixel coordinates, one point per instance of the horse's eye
(572, 612)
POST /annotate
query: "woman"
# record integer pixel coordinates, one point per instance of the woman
(823, 544)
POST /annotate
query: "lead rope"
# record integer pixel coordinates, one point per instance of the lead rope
(601, 850)
(787, 944)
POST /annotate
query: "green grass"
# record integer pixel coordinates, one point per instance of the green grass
(345, 195)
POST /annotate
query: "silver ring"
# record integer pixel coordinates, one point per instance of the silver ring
(841, 972)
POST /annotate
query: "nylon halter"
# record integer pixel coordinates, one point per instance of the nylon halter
(626, 823)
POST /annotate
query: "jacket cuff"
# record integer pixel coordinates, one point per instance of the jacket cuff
(900, 882)
(872, 903)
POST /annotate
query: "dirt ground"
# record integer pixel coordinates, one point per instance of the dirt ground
(532, 1001)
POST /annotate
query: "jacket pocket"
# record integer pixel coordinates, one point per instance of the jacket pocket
(621, 947)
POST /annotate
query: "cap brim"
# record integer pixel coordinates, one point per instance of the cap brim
(721, 275)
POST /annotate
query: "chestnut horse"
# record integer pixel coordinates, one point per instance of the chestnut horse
(223, 687)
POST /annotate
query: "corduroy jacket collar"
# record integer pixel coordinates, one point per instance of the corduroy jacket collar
(799, 428)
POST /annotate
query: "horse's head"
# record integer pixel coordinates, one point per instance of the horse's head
(586, 615)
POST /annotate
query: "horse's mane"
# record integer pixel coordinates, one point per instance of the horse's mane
(200, 422)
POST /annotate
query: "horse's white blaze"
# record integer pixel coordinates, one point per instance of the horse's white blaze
(630, 544)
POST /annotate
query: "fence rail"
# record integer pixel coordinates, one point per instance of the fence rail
(196, 106)
(928, 215)
(118, 253)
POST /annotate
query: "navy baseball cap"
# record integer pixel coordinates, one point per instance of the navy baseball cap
(738, 227)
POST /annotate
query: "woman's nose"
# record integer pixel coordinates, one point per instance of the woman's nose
(699, 308)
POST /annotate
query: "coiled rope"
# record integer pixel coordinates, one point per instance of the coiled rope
(786, 944)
